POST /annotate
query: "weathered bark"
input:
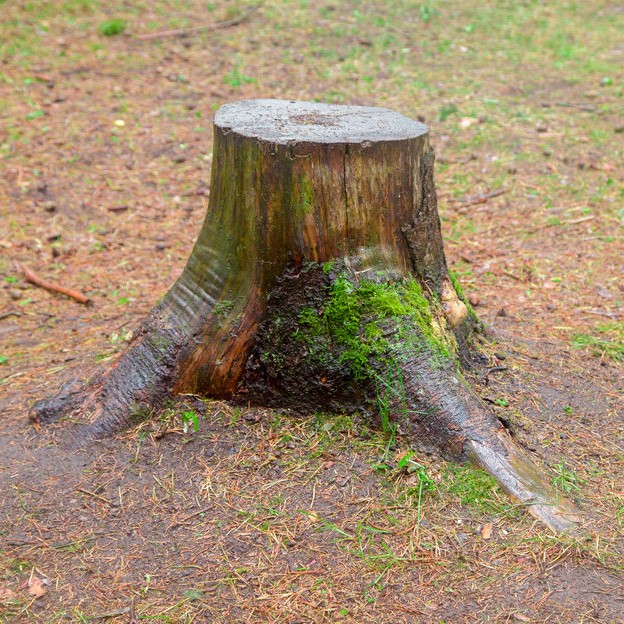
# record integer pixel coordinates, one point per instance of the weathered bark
(296, 185)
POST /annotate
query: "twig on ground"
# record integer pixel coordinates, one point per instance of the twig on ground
(557, 223)
(33, 278)
(579, 220)
(95, 495)
(614, 315)
(133, 617)
(9, 313)
(109, 615)
(508, 274)
(494, 369)
(185, 32)
(472, 200)
(584, 107)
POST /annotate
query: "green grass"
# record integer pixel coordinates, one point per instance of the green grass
(236, 78)
(565, 481)
(607, 340)
(425, 483)
(190, 421)
(111, 28)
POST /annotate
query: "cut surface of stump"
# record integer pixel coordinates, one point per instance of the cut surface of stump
(318, 282)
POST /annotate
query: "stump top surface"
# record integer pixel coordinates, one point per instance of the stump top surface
(287, 121)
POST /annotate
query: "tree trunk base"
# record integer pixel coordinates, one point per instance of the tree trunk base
(318, 283)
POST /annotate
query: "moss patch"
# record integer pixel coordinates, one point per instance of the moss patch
(305, 196)
(356, 320)
(475, 488)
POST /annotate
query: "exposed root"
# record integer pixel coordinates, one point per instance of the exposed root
(522, 479)
(444, 412)
(455, 310)
(135, 386)
(69, 399)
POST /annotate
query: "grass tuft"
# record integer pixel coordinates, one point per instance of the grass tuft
(111, 28)
(611, 344)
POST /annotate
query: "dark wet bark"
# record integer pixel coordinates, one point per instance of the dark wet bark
(423, 234)
(295, 185)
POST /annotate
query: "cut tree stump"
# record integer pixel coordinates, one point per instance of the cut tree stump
(318, 282)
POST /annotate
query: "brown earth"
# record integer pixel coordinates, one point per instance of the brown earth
(105, 147)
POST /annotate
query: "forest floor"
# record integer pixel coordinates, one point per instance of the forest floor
(258, 516)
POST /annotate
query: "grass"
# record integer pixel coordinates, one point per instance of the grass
(607, 340)
(190, 421)
(565, 480)
(235, 78)
(387, 391)
(112, 28)
(425, 482)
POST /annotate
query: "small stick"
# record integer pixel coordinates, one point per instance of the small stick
(579, 220)
(133, 617)
(480, 199)
(109, 615)
(7, 314)
(494, 369)
(37, 281)
(508, 274)
(584, 107)
(105, 500)
(184, 32)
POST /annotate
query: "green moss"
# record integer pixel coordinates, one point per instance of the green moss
(422, 315)
(356, 320)
(112, 27)
(457, 286)
(328, 266)
(475, 488)
(273, 358)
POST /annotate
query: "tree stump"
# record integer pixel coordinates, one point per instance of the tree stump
(318, 281)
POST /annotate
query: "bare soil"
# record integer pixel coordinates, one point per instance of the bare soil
(258, 516)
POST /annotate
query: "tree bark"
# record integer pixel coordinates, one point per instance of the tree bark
(322, 234)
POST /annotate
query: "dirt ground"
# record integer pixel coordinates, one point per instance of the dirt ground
(105, 155)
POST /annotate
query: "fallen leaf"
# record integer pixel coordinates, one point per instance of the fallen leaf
(521, 618)
(35, 587)
(486, 531)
